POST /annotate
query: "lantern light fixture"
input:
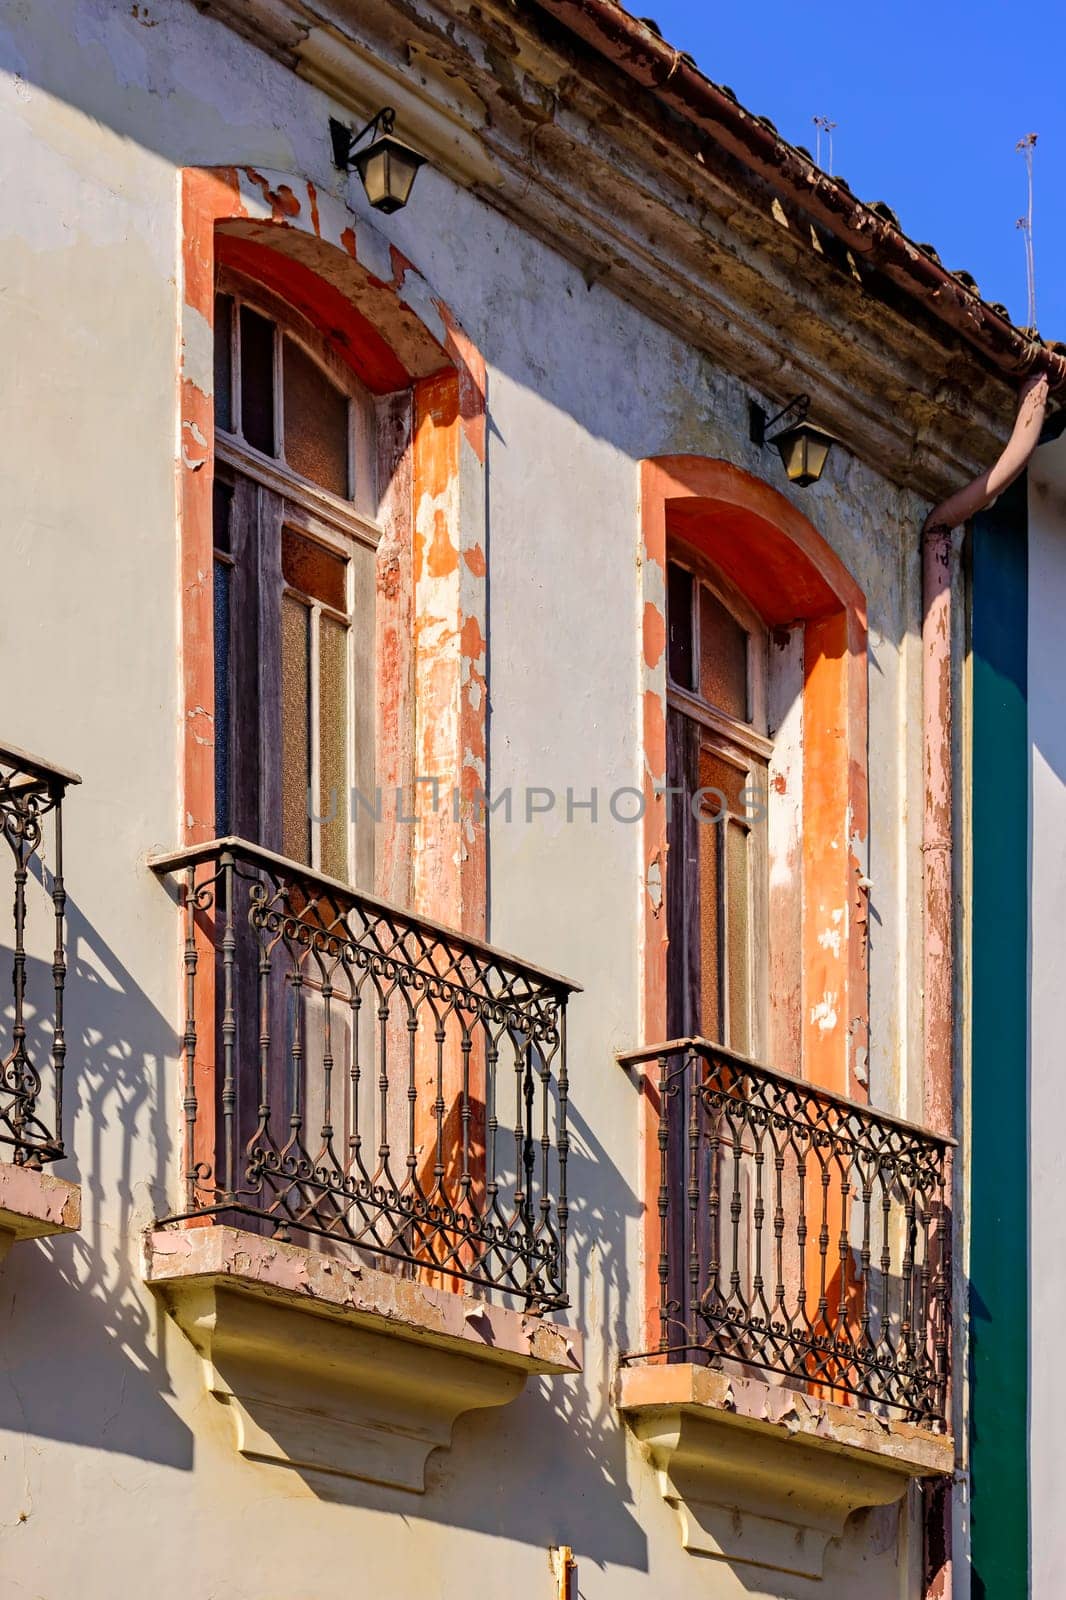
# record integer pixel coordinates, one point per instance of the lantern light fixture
(803, 448)
(386, 166)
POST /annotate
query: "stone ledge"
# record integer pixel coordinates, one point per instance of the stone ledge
(764, 1475)
(35, 1204)
(338, 1368)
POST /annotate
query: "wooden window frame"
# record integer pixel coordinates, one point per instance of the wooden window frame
(741, 744)
(341, 526)
(362, 414)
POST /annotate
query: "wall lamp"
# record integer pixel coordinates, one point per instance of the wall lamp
(386, 165)
(803, 448)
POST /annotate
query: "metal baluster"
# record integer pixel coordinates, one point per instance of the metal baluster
(714, 1198)
(922, 1292)
(907, 1277)
(465, 1113)
(59, 973)
(546, 1140)
(844, 1246)
(692, 1070)
(439, 1108)
(736, 1208)
(759, 1216)
(823, 1244)
(519, 1163)
(779, 1230)
(492, 1121)
(229, 1025)
(355, 1078)
(23, 1108)
(801, 1235)
(411, 1161)
(886, 1263)
(296, 1050)
(664, 1203)
(562, 1144)
(327, 1060)
(189, 1104)
(265, 962)
(942, 1289)
(864, 1260)
(529, 1156)
(384, 1148)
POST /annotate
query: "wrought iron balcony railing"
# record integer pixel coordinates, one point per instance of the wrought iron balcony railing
(355, 1074)
(800, 1232)
(32, 1040)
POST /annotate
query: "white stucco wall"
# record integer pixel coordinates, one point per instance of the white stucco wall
(1047, 1172)
(117, 1473)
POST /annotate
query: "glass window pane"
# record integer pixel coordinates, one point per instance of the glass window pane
(222, 506)
(257, 380)
(710, 1020)
(316, 421)
(333, 754)
(314, 570)
(223, 576)
(729, 780)
(295, 733)
(679, 625)
(723, 657)
(223, 362)
(738, 937)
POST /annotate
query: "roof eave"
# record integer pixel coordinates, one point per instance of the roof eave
(630, 46)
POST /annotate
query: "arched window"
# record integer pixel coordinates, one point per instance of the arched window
(718, 751)
(294, 540)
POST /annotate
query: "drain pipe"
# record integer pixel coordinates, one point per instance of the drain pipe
(938, 566)
(938, 563)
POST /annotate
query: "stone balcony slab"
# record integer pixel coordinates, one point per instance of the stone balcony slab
(335, 1367)
(765, 1475)
(35, 1204)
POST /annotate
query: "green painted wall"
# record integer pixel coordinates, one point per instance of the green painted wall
(999, 1157)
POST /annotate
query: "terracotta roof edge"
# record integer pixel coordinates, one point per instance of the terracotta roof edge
(646, 58)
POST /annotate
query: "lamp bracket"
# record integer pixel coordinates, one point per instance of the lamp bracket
(345, 141)
(760, 425)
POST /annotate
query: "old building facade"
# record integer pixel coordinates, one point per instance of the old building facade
(508, 960)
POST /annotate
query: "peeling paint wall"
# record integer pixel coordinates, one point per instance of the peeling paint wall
(116, 1470)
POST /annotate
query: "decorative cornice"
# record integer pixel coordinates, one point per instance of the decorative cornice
(512, 105)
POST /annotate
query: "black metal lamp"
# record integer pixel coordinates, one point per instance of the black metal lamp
(803, 448)
(386, 165)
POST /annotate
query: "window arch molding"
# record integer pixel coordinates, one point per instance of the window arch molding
(761, 545)
(379, 316)
(775, 557)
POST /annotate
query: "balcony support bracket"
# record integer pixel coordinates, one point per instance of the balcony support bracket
(765, 1476)
(339, 1370)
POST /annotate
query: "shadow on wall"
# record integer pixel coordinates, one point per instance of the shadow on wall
(854, 1564)
(561, 1443)
(82, 1355)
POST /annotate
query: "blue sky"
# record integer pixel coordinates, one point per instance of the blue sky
(929, 101)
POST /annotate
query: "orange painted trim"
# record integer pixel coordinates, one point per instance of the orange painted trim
(351, 336)
(782, 564)
(236, 214)
(449, 665)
